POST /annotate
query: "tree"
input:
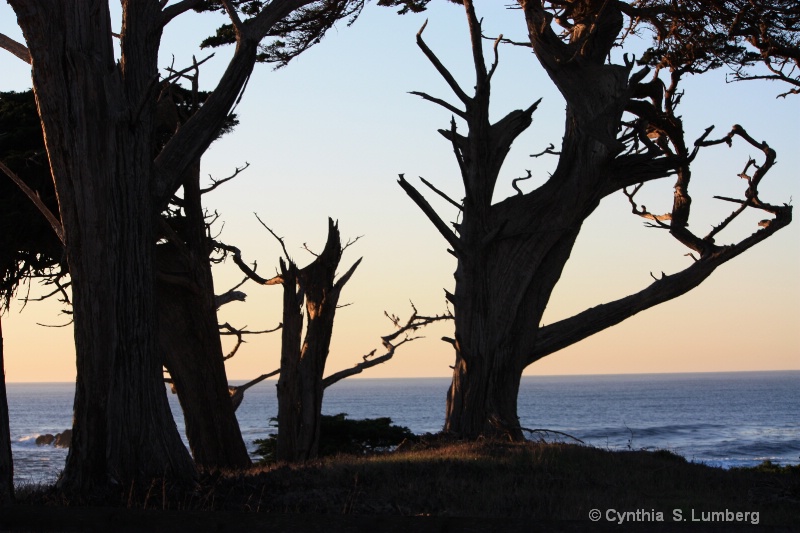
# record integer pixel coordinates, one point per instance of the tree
(98, 113)
(311, 295)
(300, 385)
(188, 335)
(622, 131)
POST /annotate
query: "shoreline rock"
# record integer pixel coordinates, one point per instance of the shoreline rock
(59, 440)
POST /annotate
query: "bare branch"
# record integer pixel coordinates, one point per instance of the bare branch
(217, 183)
(450, 107)
(566, 332)
(227, 329)
(643, 212)
(249, 272)
(440, 225)
(514, 181)
(496, 57)
(37, 201)
(279, 239)
(549, 150)
(414, 323)
(443, 195)
(347, 275)
(16, 48)
(237, 392)
(451, 81)
(228, 297)
(170, 12)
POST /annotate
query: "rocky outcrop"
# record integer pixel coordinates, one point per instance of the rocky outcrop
(45, 440)
(59, 440)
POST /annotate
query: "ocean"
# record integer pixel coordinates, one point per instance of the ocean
(720, 419)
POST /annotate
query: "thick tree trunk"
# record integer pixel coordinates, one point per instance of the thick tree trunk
(6, 462)
(98, 123)
(189, 339)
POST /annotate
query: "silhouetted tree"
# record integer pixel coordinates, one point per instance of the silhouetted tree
(622, 130)
(98, 114)
(188, 334)
(311, 295)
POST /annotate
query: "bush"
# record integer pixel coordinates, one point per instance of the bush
(338, 434)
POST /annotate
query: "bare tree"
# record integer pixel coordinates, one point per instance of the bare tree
(98, 114)
(622, 130)
(300, 387)
(311, 295)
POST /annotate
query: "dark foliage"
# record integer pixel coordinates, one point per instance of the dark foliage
(342, 435)
(291, 36)
(735, 33)
(28, 246)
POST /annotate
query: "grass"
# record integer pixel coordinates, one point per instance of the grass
(440, 478)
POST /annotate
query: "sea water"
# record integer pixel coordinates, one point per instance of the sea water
(721, 419)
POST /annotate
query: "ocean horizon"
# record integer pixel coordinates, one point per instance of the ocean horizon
(725, 419)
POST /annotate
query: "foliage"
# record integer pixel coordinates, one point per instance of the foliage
(338, 434)
(773, 468)
(28, 246)
(733, 33)
(291, 36)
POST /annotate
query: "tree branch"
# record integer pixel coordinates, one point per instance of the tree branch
(175, 10)
(249, 272)
(37, 201)
(566, 332)
(16, 48)
(440, 225)
(237, 392)
(443, 195)
(439, 101)
(451, 81)
(414, 323)
(217, 183)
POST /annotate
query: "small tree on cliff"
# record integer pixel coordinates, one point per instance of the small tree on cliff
(621, 132)
(98, 112)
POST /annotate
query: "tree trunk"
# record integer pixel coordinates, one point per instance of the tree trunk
(189, 339)
(300, 386)
(97, 118)
(6, 461)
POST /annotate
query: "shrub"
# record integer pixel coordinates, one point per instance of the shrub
(338, 434)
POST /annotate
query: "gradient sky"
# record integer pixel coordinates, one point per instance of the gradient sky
(327, 136)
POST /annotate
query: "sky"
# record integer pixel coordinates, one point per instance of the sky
(327, 136)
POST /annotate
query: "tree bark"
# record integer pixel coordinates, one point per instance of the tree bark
(190, 342)
(6, 461)
(97, 117)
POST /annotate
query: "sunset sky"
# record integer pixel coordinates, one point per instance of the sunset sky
(327, 136)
